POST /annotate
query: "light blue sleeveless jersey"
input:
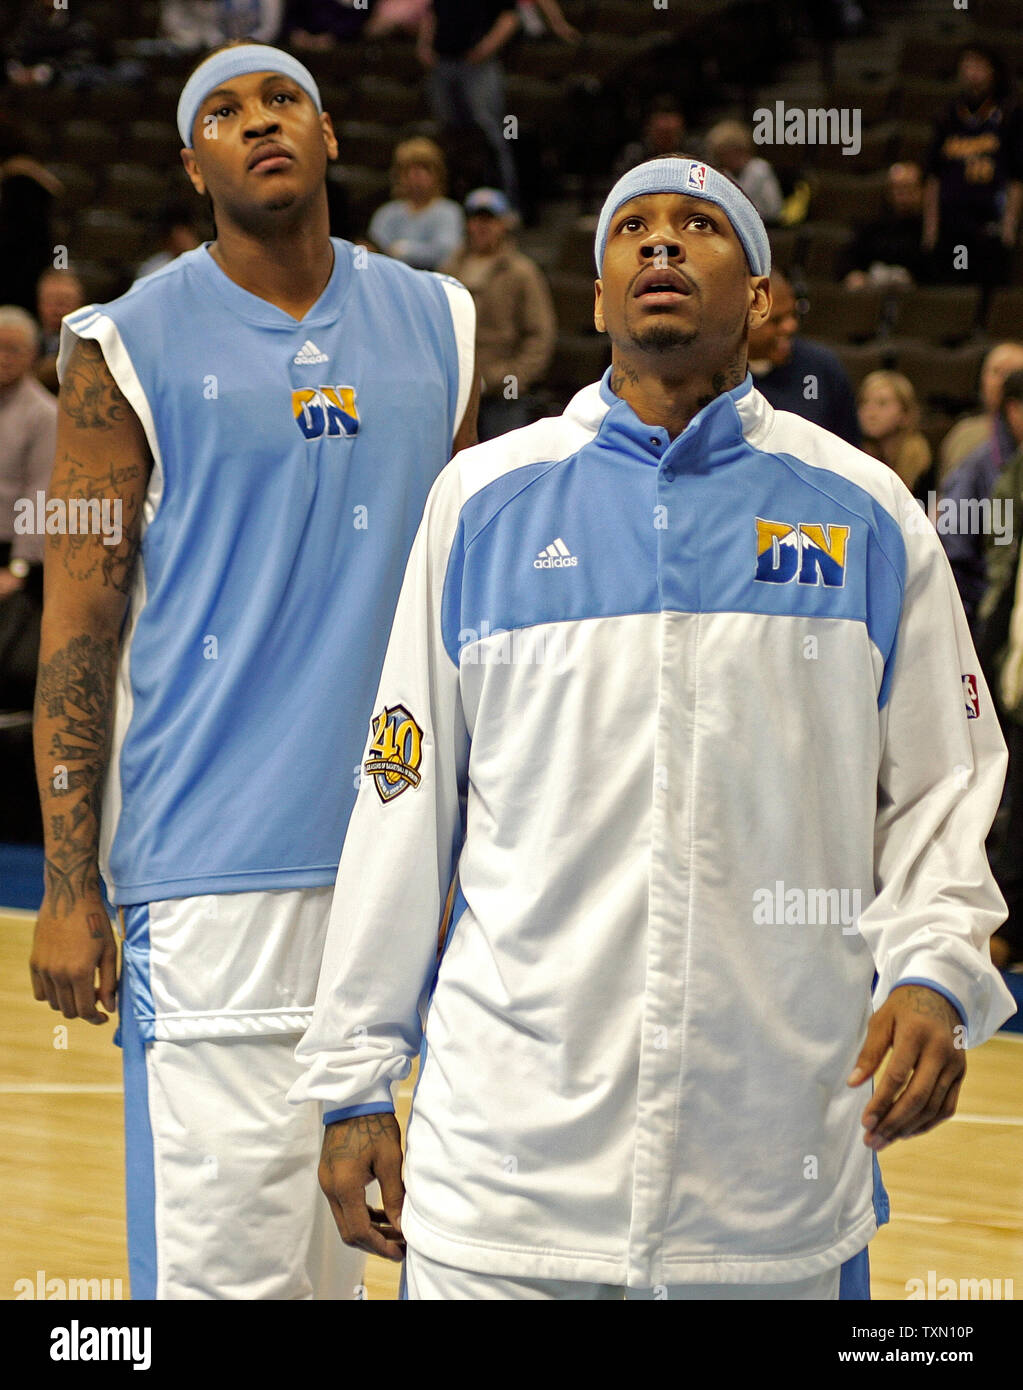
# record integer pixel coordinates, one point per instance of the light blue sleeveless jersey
(292, 460)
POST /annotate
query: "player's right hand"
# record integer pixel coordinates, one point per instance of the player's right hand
(68, 949)
(355, 1152)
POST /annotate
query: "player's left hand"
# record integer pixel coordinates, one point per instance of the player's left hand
(920, 1085)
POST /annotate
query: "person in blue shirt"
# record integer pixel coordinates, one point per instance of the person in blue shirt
(419, 225)
(258, 425)
(798, 375)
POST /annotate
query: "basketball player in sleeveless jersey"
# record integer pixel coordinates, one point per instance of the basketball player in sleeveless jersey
(263, 418)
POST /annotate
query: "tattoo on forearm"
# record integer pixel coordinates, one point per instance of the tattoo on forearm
(73, 707)
(88, 394)
(82, 552)
(353, 1138)
(922, 1000)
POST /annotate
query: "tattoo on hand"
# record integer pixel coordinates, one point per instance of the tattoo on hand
(926, 1001)
(354, 1138)
(98, 926)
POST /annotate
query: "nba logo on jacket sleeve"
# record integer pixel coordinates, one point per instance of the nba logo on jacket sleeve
(971, 696)
(326, 410)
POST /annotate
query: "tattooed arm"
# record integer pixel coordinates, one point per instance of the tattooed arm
(355, 1152)
(102, 454)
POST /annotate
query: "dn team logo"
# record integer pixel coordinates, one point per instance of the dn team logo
(326, 410)
(395, 753)
(696, 177)
(972, 697)
(808, 553)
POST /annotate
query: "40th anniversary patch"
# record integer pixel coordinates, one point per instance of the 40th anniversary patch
(394, 756)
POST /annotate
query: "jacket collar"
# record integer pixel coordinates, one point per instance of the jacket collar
(712, 435)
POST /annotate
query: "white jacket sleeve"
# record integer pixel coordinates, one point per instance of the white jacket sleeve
(942, 769)
(400, 851)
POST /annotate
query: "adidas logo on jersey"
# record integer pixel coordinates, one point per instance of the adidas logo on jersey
(556, 556)
(309, 354)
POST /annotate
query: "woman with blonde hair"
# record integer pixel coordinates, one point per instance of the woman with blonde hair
(889, 419)
(419, 225)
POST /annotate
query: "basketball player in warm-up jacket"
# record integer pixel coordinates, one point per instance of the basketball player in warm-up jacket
(266, 416)
(680, 687)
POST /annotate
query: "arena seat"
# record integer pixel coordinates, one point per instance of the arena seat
(1005, 314)
(938, 313)
(845, 315)
(859, 359)
(825, 245)
(573, 301)
(90, 143)
(848, 198)
(80, 186)
(944, 377)
(151, 142)
(579, 358)
(109, 238)
(367, 144)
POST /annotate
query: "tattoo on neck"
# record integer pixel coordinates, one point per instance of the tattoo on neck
(621, 374)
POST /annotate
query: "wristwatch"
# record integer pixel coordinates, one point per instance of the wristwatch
(19, 568)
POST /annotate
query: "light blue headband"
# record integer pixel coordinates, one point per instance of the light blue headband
(669, 175)
(236, 62)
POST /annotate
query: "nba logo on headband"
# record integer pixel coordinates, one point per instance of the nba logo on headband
(697, 177)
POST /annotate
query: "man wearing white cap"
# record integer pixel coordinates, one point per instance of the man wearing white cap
(674, 701)
(266, 414)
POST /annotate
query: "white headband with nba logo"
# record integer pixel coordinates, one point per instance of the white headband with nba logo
(238, 61)
(681, 175)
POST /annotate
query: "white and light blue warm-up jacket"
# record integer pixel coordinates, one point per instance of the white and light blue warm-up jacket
(667, 708)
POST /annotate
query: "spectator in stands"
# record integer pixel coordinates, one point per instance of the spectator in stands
(192, 24)
(988, 427)
(419, 226)
(27, 191)
(974, 190)
(59, 292)
(459, 42)
(395, 16)
(664, 132)
(730, 149)
(795, 374)
(51, 45)
(969, 485)
(538, 16)
(515, 322)
(178, 231)
(889, 420)
(318, 24)
(1000, 640)
(28, 441)
(890, 250)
